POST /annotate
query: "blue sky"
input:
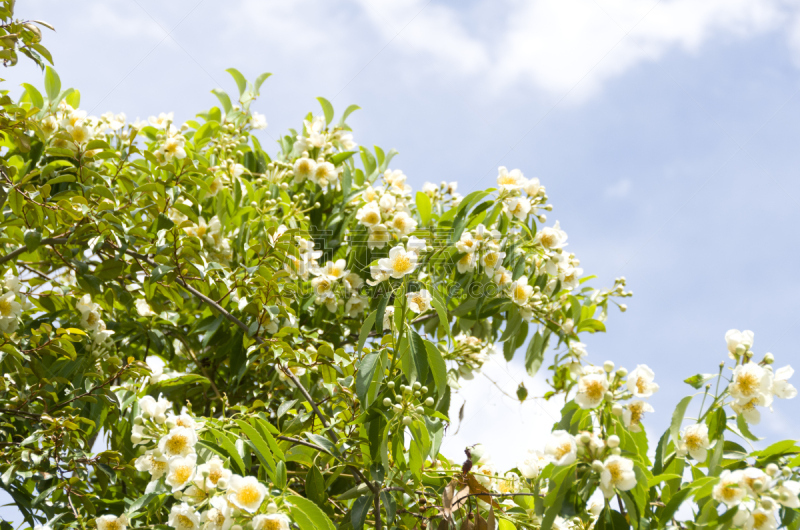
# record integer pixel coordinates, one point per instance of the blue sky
(666, 134)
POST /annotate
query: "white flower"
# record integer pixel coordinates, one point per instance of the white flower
(150, 408)
(492, 259)
(272, 521)
(356, 305)
(532, 187)
(387, 202)
(246, 493)
(419, 301)
(183, 517)
(617, 474)
(181, 471)
(403, 223)
(219, 516)
(213, 471)
(754, 480)
(561, 448)
(332, 270)
(757, 519)
(156, 365)
(741, 340)
(378, 237)
(467, 262)
(578, 349)
(179, 442)
(467, 244)
(90, 314)
(324, 174)
(49, 126)
(388, 315)
(10, 310)
(551, 238)
(258, 121)
(729, 489)
(749, 381)
(518, 207)
(532, 464)
(369, 215)
(749, 409)
(416, 245)
(399, 263)
(111, 522)
(160, 121)
(509, 180)
(481, 233)
(322, 286)
(781, 388)
(640, 382)
(694, 441)
(304, 168)
(521, 291)
(570, 277)
(143, 308)
(502, 276)
(378, 275)
(155, 465)
(592, 389)
(184, 420)
(633, 413)
(353, 281)
(788, 493)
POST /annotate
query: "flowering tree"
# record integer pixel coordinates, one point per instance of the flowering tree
(196, 333)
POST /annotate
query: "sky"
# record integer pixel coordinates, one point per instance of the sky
(665, 132)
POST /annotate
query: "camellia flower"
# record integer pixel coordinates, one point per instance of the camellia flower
(491, 260)
(617, 474)
(551, 237)
(152, 408)
(10, 310)
(143, 308)
(112, 522)
(592, 388)
(258, 121)
(160, 121)
(633, 413)
(403, 224)
(246, 493)
(749, 381)
(181, 471)
(781, 388)
(532, 464)
(271, 521)
(518, 207)
(304, 168)
(738, 340)
(324, 174)
(466, 243)
(332, 270)
(356, 304)
(757, 519)
(416, 245)
(353, 281)
(749, 409)
(561, 448)
(729, 489)
(378, 275)
(369, 215)
(532, 187)
(399, 263)
(788, 493)
(694, 441)
(640, 381)
(179, 442)
(184, 517)
(378, 237)
(388, 315)
(509, 180)
(467, 263)
(754, 480)
(521, 291)
(502, 276)
(219, 516)
(419, 301)
(155, 465)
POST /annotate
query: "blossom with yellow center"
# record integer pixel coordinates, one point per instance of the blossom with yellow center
(183, 517)
(378, 236)
(181, 471)
(561, 448)
(509, 180)
(617, 474)
(521, 291)
(419, 301)
(592, 388)
(111, 522)
(750, 380)
(399, 263)
(272, 521)
(551, 237)
(246, 493)
(369, 215)
(180, 441)
(729, 489)
(640, 381)
(634, 412)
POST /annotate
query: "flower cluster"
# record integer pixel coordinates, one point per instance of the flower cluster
(10, 308)
(758, 494)
(385, 212)
(211, 238)
(329, 278)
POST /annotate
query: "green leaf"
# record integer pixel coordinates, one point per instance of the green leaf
(535, 353)
(347, 112)
(611, 520)
(698, 380)
(672, 506)
(223, 99)
(312, 512)
(366, 371)
(368, 160)
(420, 355)
(366, 327)
(52, 83)
(241, 82)
(591, 325)
(230, 448)
(677, 418)
(260, 81)
(263, 451)
(338, 158)
(315, 486)
(33, 239)
(661, 478)
(358, 514)
(423, 207)
(745, 429)
(34, 95)
(327, 108)
(438, 367)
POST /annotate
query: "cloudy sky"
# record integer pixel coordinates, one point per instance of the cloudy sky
(665, 131)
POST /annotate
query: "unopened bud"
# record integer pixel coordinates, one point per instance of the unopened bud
(597, 466)
(420, 410)
(170, 423)
(786, 472)
(622, 372)
(740, 349)
(417, 393)
(236, 527)
(177, 495)
(623, 307)
(407, 420)
(424, 389)
(417, 385)
(616, 410)
(136, 438)
(769, 358)
(222, 483)
(398, 408)
(584, 438)
(161, 418)
(608, 366)
(429, 402)
(609, 396)
(387, 402)
(138, 420)
(390, 385)
(399, 398)
(613, 441)
(616, 451)
(272, 508)
(772, 470)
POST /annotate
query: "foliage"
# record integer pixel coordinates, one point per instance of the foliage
(196, 333)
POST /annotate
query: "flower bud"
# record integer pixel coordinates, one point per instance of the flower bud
(417, 393)
(146, 415)
(613, 441)
(407, 420)
(740, 349)
(272, 508)
(424, 389)
(222, 483)
(177, 495)
(417, 385)
(138, 420)
(597, 466)
(767, 503)
(608, 366)
(161, 418)
(616, 410)
(170, 423)
(787, 472)
(387, 402)
(609, 396)
(772, 470)
(584, 438)
(622, 372)
(623, 308)
(136, 438)
(398, 408)
(616, 451)
(769, 358)
(399, 398)
(236, 527)
(429, 402)
(390, 385)
(406, 390)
